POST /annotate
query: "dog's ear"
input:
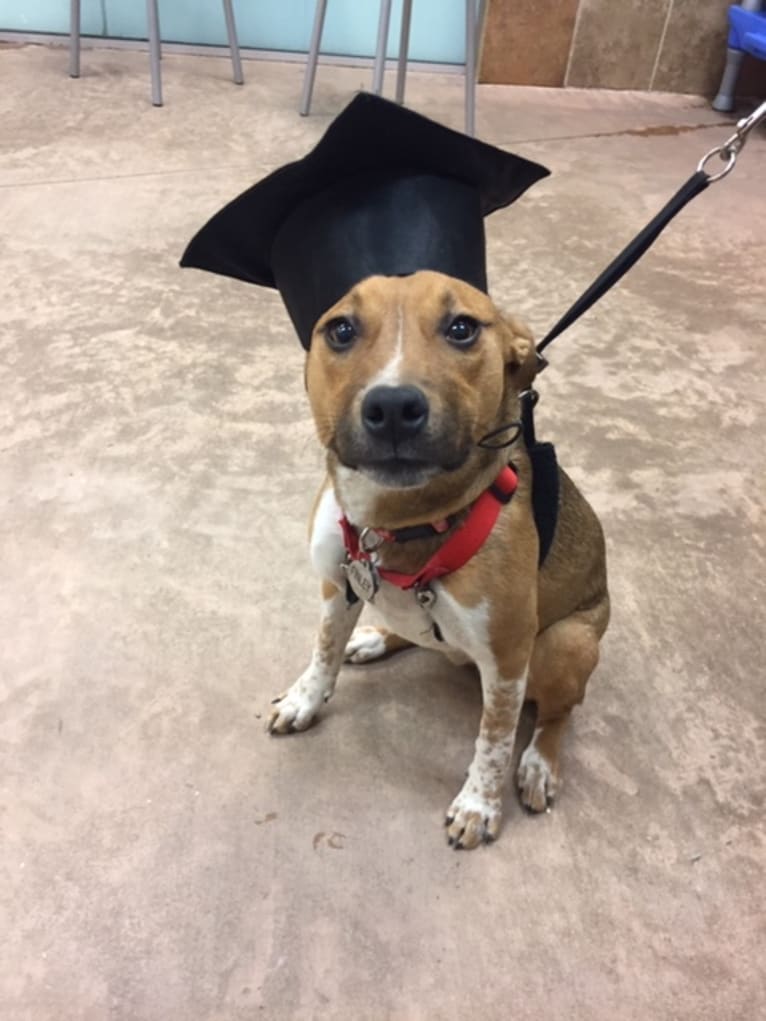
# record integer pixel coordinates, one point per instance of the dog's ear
(521, 360)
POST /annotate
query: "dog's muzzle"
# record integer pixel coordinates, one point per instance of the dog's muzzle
(393, 437)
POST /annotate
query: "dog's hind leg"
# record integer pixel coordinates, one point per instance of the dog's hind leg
(297, 708)
(369, 643)
(564, 657)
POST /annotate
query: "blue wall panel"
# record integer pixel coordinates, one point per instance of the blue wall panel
(438, 32)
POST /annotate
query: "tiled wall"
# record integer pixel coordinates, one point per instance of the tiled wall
(668, 45)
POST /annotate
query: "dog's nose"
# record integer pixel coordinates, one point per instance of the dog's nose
(394, 412)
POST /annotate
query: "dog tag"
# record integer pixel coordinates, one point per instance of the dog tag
(363, 578)
(426, 598)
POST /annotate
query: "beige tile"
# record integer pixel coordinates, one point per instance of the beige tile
(527, 42)
(615, 44)
(693, 48)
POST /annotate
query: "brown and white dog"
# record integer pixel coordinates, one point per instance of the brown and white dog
(405, 376)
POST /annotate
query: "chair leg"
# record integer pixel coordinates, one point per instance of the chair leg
(725, 100)
(404, 46)
(231, 31)
(74, 39)
(153, 23)
(470, 67)
(312, 57)
(380, 53)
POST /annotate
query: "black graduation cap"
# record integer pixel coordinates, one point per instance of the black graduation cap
(385, 191)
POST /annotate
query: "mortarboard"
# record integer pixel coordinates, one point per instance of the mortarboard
(384, 192)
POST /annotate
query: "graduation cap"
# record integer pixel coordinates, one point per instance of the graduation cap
(385, 191)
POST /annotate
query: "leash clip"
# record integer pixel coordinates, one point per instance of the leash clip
(733, 145)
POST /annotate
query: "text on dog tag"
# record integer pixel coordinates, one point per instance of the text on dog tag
(363, 578)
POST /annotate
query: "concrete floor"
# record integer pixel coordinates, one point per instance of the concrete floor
(162, 858)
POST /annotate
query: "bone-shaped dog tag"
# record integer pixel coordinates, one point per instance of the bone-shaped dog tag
(363, 578)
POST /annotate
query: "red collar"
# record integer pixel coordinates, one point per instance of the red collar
(463, 544)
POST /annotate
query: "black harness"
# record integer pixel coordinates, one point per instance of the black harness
(545, 477)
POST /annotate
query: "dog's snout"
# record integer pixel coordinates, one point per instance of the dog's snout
(394, 413)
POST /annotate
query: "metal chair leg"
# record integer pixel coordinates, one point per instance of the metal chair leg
(404, 46)
(470, 67)
(312, 57)
(74, 39)
(380, 52)
(153, 24)
(231, 31)
(725, 100)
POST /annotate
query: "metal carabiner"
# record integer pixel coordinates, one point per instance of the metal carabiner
(733, 145)
(746, 125)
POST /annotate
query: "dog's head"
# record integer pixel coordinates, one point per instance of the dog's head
(405, 376)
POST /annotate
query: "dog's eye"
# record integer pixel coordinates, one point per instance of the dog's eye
(340, 333)
(463, 331)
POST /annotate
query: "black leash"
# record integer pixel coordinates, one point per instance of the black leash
(630, 255)
(545, 471)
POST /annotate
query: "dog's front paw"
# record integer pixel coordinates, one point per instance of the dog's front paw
(297, 708)
(537, 780)
(472, 819)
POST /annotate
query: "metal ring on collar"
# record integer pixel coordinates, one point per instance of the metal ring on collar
(364, 540)
(727, 153)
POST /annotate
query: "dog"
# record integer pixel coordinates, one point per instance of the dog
(405, 377)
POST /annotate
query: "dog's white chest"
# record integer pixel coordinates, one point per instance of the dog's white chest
(444, 625)
(401, 612)
(457, 631)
